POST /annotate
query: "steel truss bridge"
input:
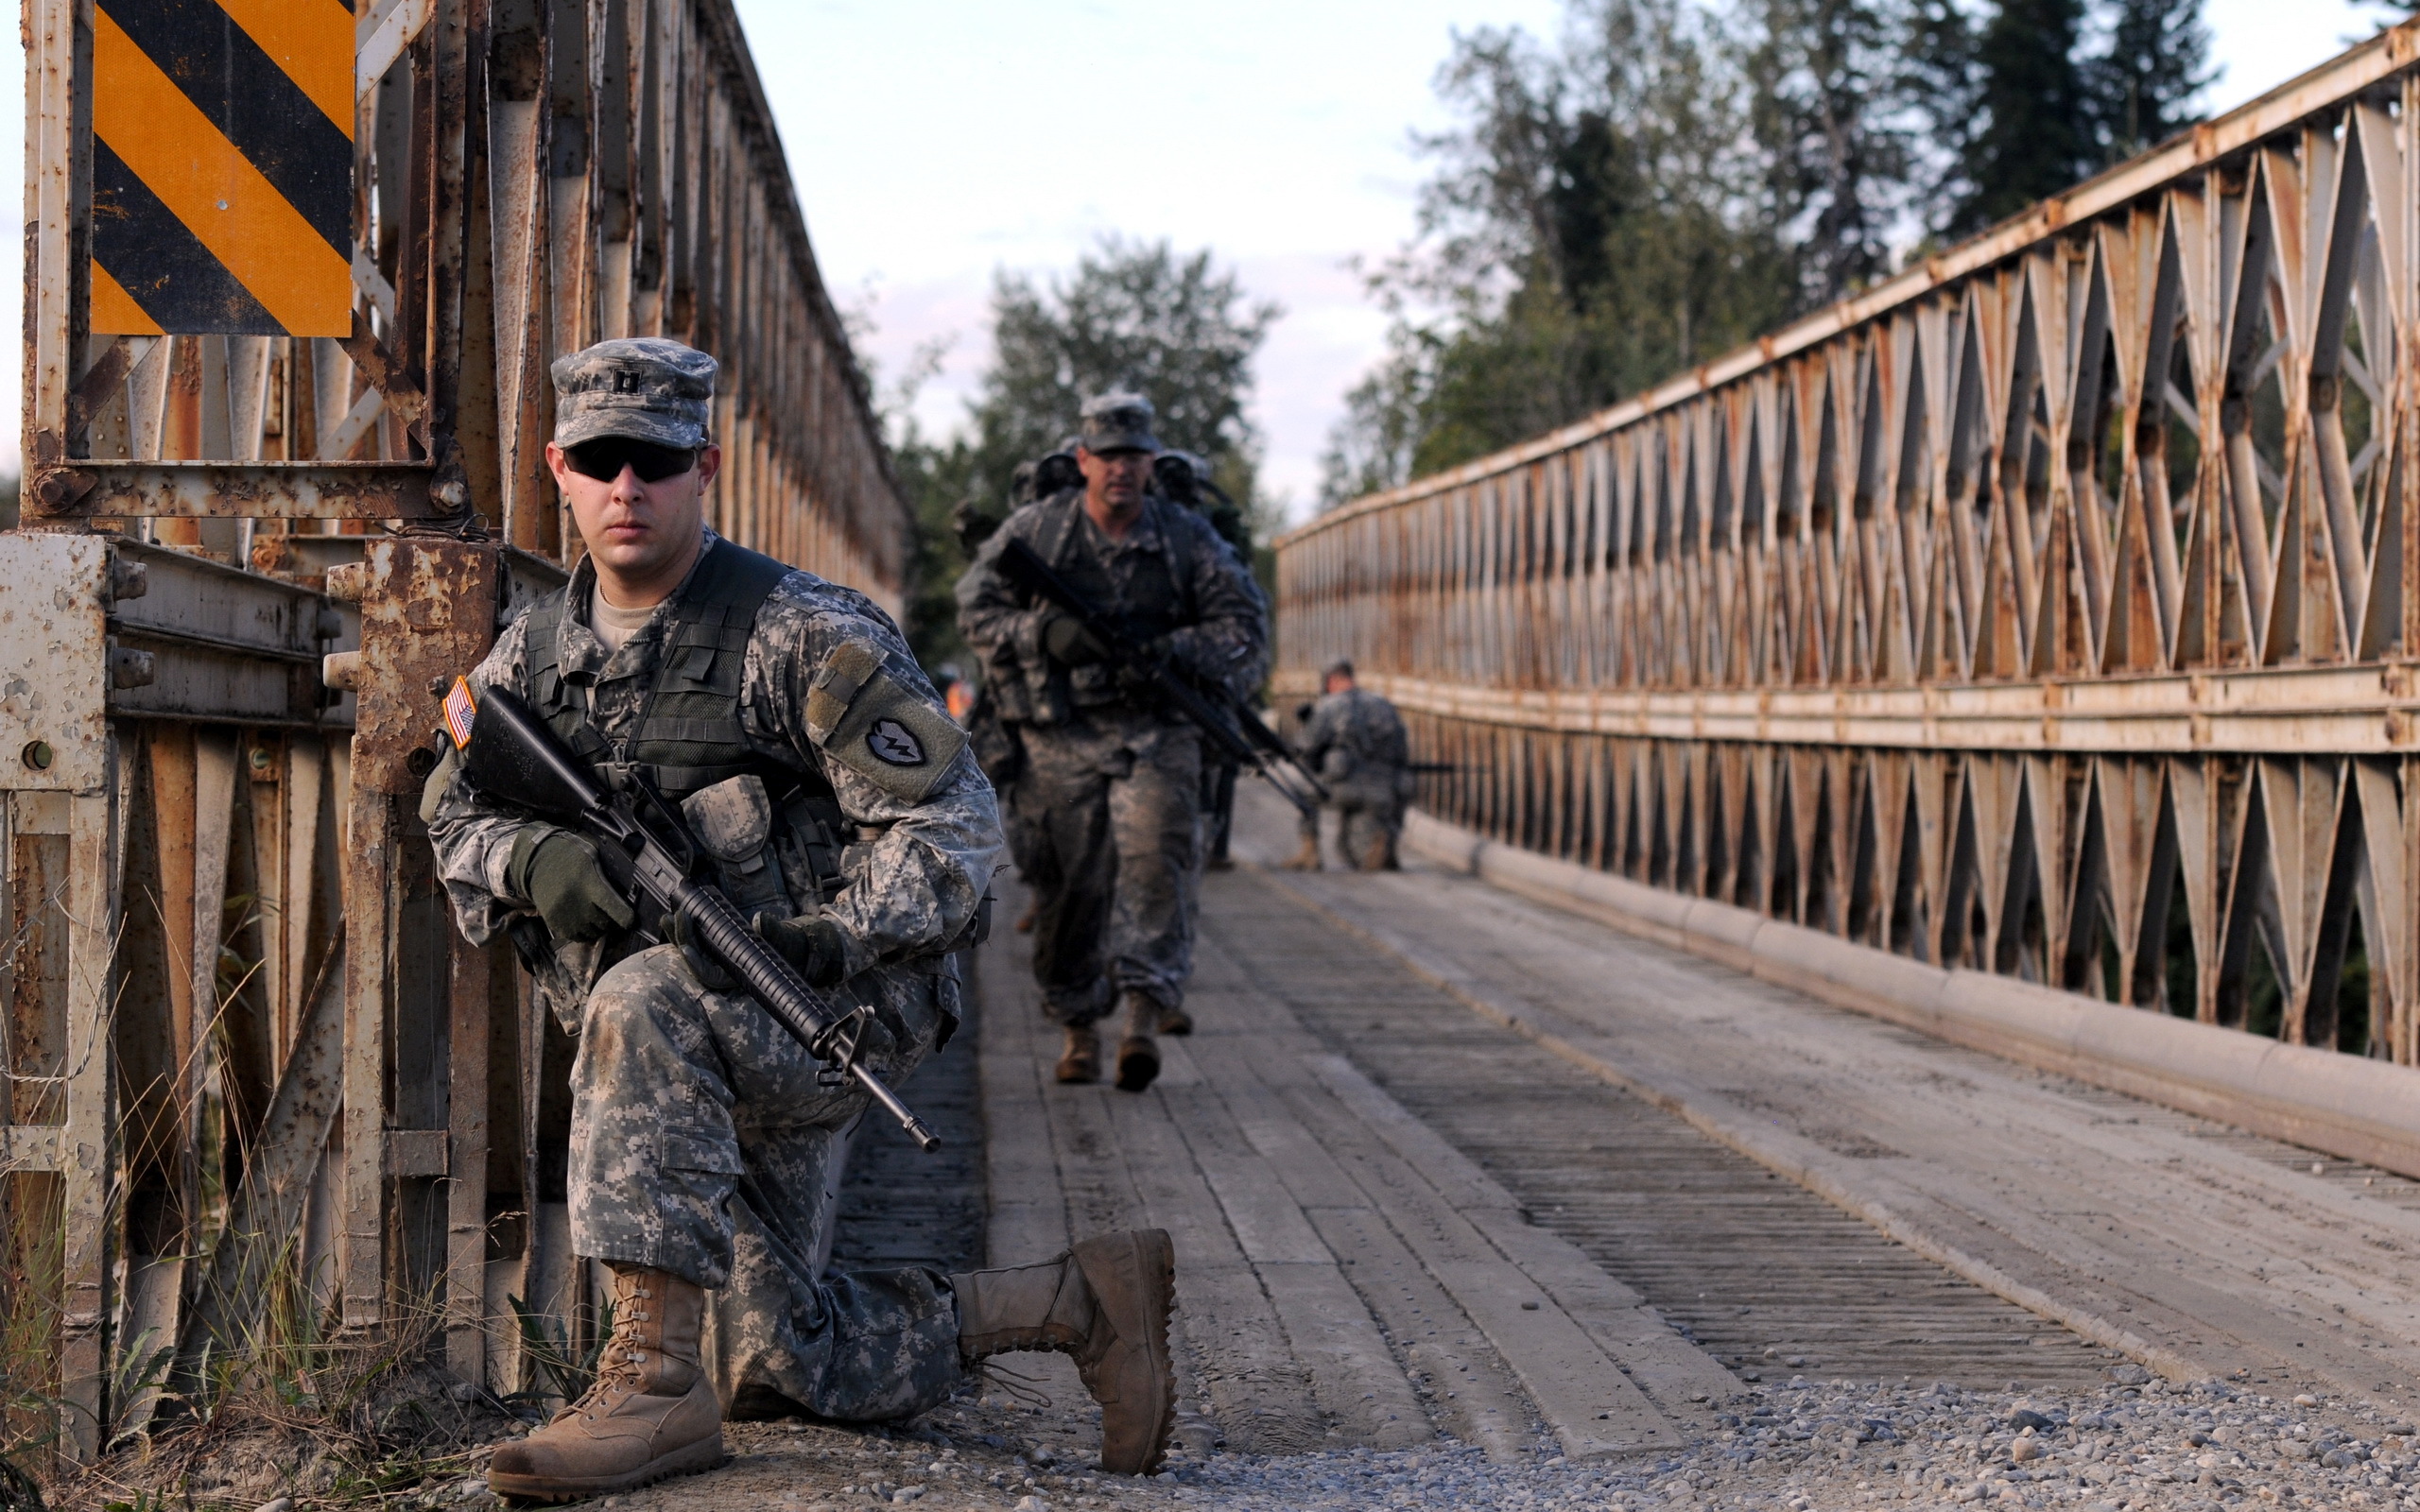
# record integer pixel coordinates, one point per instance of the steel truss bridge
(2047, 612)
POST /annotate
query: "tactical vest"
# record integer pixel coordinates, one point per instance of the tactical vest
(1162, 593)
(688, 736)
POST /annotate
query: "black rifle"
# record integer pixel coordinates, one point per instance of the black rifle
(1235, 729)
(650, 856)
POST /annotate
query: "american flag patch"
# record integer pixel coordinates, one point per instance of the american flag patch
(461, 709)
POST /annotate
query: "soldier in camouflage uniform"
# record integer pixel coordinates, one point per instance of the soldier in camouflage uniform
(705, 1146)
(1112, 781)
(1185, 478)
(1355, 740)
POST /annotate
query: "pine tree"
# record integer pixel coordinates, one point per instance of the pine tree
(1827, 115)
(2159, 61)
(2036, 135)
(1132, 315)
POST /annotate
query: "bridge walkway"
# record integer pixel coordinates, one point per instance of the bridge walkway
(2195, 1249)
(1417, 1102)
(1456, 1177)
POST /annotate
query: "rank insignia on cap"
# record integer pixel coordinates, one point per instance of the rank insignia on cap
(894, 743)
(460, 711)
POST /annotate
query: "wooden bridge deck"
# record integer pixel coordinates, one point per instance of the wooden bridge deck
(1444, 1161)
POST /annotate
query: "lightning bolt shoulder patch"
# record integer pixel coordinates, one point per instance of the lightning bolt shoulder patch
(861, 717)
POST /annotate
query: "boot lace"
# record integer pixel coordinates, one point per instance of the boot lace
(1014, 1384)
(617, 1361)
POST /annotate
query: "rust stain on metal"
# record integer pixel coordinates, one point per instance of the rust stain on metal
(427, 615)
(228, 490)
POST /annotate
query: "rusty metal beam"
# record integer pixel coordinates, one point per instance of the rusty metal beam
(2051, 610)
(226, 490)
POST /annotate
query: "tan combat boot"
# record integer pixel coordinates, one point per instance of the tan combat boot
(1080, 1061)
(651, 1413)
(1106, 1302)
(1306, 857)
(1176, 1022)
(1138, 1057)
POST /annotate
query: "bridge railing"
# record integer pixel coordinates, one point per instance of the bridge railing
(294, 278)
(2049, 610)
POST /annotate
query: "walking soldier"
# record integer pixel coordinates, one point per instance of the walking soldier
(1110, 782)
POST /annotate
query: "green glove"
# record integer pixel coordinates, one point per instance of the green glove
(557, 871)
(816, 946)
(1065, 637)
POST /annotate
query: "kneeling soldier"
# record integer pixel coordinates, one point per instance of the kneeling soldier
(840, 809)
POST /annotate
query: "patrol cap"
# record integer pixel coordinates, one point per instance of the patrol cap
(1118, 422)
(1341, 667)
(647, 389)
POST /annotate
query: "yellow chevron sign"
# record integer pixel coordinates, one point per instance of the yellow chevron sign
(222, 167)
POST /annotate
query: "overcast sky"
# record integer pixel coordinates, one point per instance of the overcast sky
(935, 142)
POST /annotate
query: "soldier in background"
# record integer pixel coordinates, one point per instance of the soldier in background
(996, 746)
(1110, 779)
(1185, 478)
(1355, 741)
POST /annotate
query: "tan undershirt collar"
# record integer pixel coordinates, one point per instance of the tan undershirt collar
(613, 625)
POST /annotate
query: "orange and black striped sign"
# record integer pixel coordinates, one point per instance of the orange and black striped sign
(222, 167)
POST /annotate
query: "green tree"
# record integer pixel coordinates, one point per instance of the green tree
(1678, 176)
(1598, 221)
(1135, 316)
(1831, 116)
(1132, 315)
(2036, 133)
(2158, 64)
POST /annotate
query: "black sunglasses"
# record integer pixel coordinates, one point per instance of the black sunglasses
(604, 458)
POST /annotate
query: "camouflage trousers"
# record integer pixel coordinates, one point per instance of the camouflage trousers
(1368, 813)
(1112, 813)
(703, 1143)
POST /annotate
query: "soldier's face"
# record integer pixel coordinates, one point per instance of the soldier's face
(638, 531)
(1114, 480)
(1339, 681)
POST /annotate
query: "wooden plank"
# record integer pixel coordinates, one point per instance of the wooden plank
(1607, 1315)
(1481, 1403)
(1028, 1218)
(1586, 1401)
(1353, 1374)
(1260, 1388)
(2139, 1232)
(1612, 1314)
(1231, 1354)
(1677, 1376)
(1472, 1389)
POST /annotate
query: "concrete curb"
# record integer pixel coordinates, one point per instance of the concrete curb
(2345, 1106)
